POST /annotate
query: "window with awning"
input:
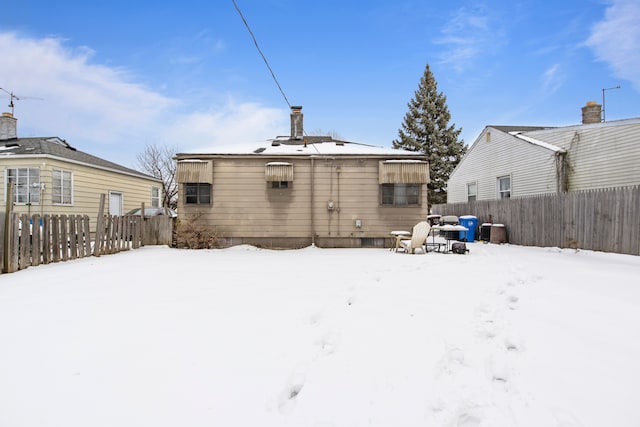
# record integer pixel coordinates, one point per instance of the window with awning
(194, 171)
(403, 172)
(278, 172)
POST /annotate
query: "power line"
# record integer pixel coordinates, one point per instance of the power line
(246, 24)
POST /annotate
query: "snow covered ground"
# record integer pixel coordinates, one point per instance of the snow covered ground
(502, 336)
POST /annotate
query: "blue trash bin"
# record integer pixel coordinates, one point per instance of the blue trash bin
(471, 223)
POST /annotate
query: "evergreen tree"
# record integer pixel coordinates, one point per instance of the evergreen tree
(426, 129)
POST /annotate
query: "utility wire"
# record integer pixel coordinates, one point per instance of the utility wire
(246, 24)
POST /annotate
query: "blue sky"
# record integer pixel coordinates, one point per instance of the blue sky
(115, 76)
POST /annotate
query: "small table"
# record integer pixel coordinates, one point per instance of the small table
(435, 245)
(448, 237)
(398, 234)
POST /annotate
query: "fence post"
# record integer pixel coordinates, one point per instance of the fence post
(55, 240)
(97, 246)
(24, 259)
(14, 233)
(87, 235)
(6, 244)
(73, 237)
(36, 244)
(64, 237)
(46, 239)
(142, 230)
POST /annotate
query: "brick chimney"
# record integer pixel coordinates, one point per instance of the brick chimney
(591, 113)
(8, 126)
(296, 123)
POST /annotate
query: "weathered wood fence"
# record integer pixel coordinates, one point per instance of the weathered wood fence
(28, 240)
(601, 220)
(34, 240)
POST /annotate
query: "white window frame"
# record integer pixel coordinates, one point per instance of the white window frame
(61, 201)
(155, 199)
(30, 186)
(500, 192)
(472, 197)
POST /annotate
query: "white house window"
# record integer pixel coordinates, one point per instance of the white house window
(27, 184)
(472, 191)
(400, 194)
(62, 187)
(155, 197)
(197, 193)
(504, 187)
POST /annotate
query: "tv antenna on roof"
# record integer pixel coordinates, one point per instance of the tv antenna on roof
(604, 89)
(13, 96)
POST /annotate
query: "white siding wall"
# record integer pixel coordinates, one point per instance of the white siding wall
(601, 155)
(531, 167)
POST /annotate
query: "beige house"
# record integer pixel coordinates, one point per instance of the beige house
(302, 190)
(52, 177)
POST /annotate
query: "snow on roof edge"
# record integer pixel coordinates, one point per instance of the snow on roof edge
(537, 142)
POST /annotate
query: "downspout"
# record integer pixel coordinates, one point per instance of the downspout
(562, 172)
(338, 170)
(312, 202)
(330, 211)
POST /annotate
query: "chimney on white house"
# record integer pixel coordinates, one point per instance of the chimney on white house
(296, 123)
(591, 113)
(8, 126)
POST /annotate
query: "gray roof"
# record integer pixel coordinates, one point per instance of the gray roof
(59, 148)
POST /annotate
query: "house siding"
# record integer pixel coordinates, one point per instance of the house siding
(532, 168)
(600, 155)
(245, 210)
(88, 184)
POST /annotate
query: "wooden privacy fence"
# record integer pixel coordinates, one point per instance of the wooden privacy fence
(34, 240)
(601, 220)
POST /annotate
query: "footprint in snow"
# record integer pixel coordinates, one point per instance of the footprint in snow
(565, 418)
(512, 301)
(288, 396)
(315, 319)
(451, 361)
(512, 343)
(498, 369)
(486, 312)
(327, 343)
(488, 330)
(468, 415)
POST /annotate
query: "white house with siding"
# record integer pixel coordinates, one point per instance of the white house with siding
(511, 161)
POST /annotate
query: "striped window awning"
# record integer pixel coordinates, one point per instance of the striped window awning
(194, 170)
(403, 172)
(278, 171)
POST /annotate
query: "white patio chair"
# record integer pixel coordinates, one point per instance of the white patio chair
(417, 239)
